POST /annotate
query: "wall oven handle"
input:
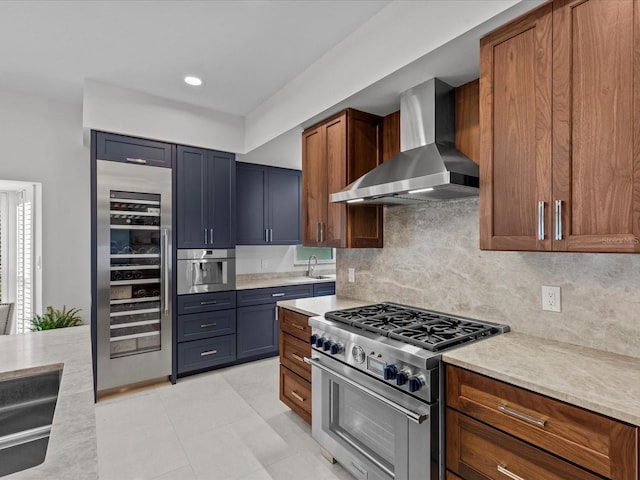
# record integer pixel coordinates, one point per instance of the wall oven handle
(416, 417)
(165, 269)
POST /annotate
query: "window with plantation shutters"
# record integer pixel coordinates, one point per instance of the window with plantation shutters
(24, 263)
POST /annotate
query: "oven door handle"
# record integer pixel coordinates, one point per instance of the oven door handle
(416, 417)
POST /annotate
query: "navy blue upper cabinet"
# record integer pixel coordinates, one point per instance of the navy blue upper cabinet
(269, 205)
(120, 148)
(205, 198)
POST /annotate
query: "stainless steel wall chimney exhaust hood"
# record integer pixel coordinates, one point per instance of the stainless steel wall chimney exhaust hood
(428, 167)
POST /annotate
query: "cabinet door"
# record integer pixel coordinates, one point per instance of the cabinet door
(251, 204)
(333, 229)
(257, 331)
(515, 134)
(596, 112)
(284, 205)
(221, 196)
(120, 148)
(191, 209)
(314, 185)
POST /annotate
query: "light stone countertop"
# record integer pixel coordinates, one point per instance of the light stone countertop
(247, 282)
(72, 450)
(603, 382)
(320, 305)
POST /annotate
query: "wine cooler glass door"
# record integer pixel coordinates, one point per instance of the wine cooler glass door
(134, 273)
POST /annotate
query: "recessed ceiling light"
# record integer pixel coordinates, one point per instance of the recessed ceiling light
(193, 81)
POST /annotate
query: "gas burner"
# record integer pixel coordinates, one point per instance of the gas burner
(442, 333)
(356, 314)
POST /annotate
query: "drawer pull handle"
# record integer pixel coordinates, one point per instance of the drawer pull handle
(207, 325)
(211, 302)
(297, 357)
(141, 161)
(299, 327)
(277, 294)
(208, 352)
(522, 416)
(509, 474)
(300, 398)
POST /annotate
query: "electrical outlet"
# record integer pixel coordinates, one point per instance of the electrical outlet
(352, 274)
(551, 298)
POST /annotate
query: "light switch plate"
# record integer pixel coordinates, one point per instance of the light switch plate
(352, 274)
(551, 298)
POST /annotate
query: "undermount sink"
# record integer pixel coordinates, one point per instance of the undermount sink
(27, 405)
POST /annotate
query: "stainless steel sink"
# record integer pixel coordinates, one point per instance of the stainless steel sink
(27, 404)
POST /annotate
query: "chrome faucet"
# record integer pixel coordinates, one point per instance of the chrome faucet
(310, 267)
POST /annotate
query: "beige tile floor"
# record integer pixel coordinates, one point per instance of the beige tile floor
(226, 424)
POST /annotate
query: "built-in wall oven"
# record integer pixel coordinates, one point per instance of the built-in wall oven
(378, 387)
(201, 271)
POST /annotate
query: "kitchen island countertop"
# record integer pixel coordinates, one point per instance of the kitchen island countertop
(599, 381)
(72, 450)
(320, 305)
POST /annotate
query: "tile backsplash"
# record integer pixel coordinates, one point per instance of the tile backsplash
(431, 259)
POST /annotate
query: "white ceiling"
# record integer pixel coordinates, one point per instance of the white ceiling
(245, 50)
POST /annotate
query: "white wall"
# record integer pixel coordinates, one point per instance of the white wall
(119, 110)
(42, 142)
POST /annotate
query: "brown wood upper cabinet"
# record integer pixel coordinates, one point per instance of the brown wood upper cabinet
(335, 153)
(560, 129)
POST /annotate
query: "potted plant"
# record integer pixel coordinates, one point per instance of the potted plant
(54, 318)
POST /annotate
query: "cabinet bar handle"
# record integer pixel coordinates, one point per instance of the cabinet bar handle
(540, 220)
(271, 235)
(208, 352)
(165, 269)
(210, 302)
(299, 327)
(211, 236)
(141, 161)
(322, 231)
(317, 231)
(297, 357)
(509, 474)
(266, 235)
(275, 315)
(207, 325)
(297, 397)
(558, 219)
(522, 416)
(205, 237)
(277, 294)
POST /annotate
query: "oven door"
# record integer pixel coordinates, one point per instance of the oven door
(374, 430)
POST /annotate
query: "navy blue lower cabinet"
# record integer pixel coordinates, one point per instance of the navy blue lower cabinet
(323, 289)
(204, 325)
(257, 331)
(206, 353)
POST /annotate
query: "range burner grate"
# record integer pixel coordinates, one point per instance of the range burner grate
(426, 329)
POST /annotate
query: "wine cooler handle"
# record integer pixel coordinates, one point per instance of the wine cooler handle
(165, 269)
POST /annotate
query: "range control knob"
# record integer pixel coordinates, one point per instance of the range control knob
(415, 384)
(358, 354)
(327, 345)
(390, 372)
(401, 378)
(313, 339)
(320, 342)
(336, 348)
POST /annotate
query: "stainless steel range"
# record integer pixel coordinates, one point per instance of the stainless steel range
(377, 381)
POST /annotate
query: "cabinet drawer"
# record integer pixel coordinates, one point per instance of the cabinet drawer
(206, 353)
(296, 393)
(206, 302)
(477, 451)
(258, 296)
(292, 353)
(603, 445)
(295, 324)
(120, 148)
(204, 325)
(322, 289)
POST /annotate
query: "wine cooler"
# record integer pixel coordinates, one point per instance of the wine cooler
(133, 270)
